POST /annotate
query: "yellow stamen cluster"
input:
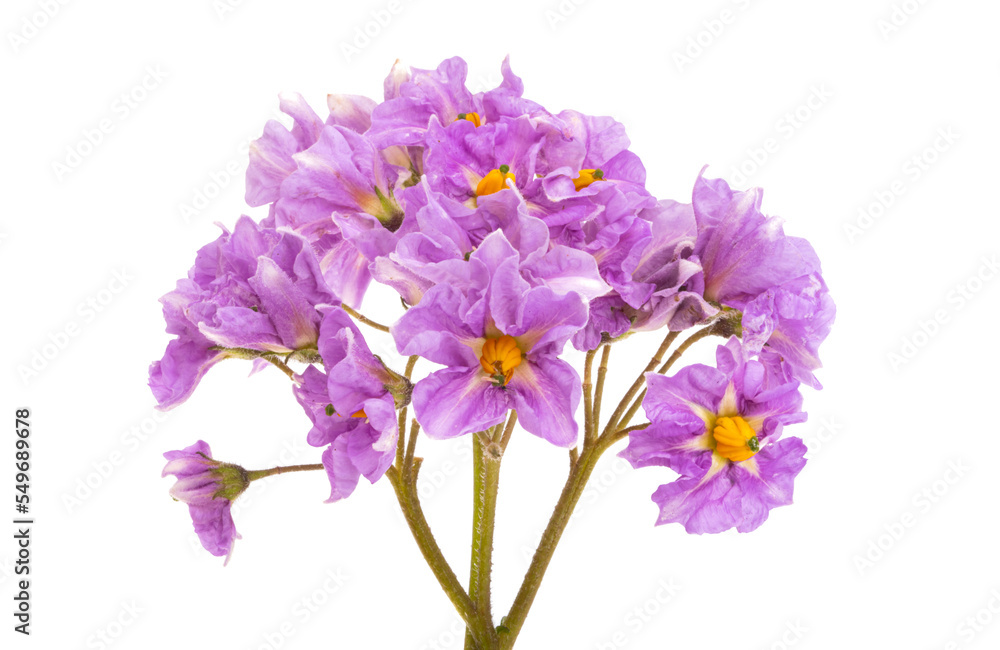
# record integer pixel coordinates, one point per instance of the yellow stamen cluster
(735, 440)
(494, 181)
(471, 117)
(359, 414)
(586, 177)
(500, 357)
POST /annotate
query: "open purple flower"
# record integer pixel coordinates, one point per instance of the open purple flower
(209, 488)
(500, 339)
(352, 406)
(720, 430)
(253, 291)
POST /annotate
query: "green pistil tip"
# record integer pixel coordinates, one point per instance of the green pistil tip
(753, 444)
(504, 169)
(329, 409)
(598, 173)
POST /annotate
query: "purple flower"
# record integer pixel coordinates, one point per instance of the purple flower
(752, 266)
(209, 488)
(663, 287)
(273, 160)
(252, 292)
(447, 232)
(465, 162)
(742, 252)
(792, 320)
(499, 339)
(414, 96)
(720, 430)
(352, 406)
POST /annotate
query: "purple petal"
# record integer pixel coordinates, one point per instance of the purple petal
(546, 393)
(456, 401)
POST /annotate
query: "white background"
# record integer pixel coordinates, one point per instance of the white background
(882, 435)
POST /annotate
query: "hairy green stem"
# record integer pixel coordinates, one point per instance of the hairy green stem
(638, 383)
(581, 468)
(364, 319)
(404, 484)
(486, 456)
(508, 431)
(589, 427)
(602, 372)
(253, 475)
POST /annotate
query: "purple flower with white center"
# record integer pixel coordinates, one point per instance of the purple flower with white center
(209, 488)
(499, 339)
(352, 406)
(251, 292)
(720, 430)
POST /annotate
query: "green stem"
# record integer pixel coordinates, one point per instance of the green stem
(681, 349)
(486, 457)
(580, 471)
(404, 484)
(638, 383)
(401, 422)
(253, 475)
(577, 480)
(589, 427)
(508, 431)
(602, 372)
(364, 319)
